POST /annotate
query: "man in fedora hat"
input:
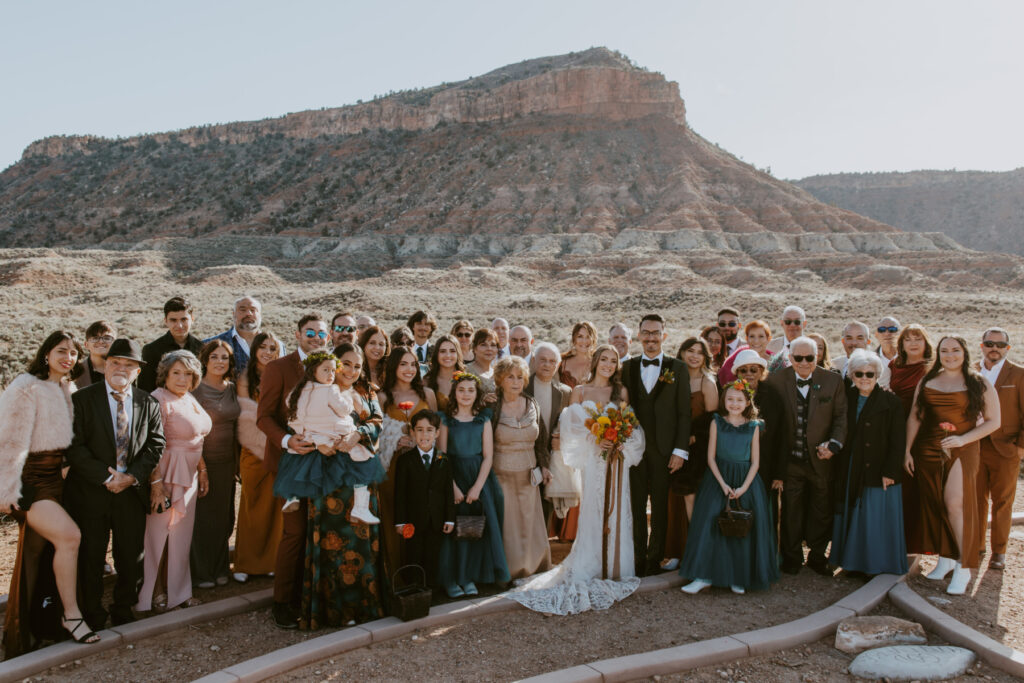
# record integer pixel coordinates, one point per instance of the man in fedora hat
(118, 440)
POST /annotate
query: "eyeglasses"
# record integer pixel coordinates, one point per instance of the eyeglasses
(344, 328)
(650, 333)
(991, 344)
(802, 359)
(313, 333)
(463, 335)
(787, 321)
(890, 328)
(727, 323)
(870, 374)
(752, 370)
(105, 339)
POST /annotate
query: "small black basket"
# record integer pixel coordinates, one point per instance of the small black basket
(471, 527)
(411, 601)
(735, 522)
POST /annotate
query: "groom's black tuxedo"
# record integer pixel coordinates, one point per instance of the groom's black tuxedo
(664, 414)
(97, 511)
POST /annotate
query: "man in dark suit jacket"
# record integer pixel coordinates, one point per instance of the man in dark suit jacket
(1001, 451)
(278, 379)
(178, 321)
(118, 440)
(659, 391)
(424, 496)
(552, 396)
(810, 417)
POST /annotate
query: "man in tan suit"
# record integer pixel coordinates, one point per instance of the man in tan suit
(810, 427)
(279, 378)
(1001, 451)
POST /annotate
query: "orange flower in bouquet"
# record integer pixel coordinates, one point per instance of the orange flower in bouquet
(611, 423)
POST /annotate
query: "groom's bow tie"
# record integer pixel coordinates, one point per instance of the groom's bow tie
(803, 382)
(644, 362)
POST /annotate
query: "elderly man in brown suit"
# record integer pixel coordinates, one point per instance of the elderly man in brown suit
(279, 378)
(810, 417)
(1001, 451)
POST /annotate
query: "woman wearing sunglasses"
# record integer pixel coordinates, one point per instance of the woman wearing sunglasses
(867, 532)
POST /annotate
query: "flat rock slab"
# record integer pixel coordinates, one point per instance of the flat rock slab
(912, 663)
(857, 634)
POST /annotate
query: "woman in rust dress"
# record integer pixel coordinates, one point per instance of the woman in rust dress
(945, 461)
(914, 357)
(683, 484)
(35, 430)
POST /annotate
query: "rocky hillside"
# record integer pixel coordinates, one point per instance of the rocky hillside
(552, 164)
(978, 209)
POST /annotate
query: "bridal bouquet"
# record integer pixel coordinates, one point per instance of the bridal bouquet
(611, 423)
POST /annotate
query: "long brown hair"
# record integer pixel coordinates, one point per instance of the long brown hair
(972, 379)
(364, 339)
(478, 402)
(719, 358)
(310, 364)
(39, 367)
(390, 370)
(252, 369)
(705, 351)
(430, 379)
(591, 330)
(616, 379)
(209, 348)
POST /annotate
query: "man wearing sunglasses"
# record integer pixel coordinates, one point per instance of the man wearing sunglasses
(794, 323)
(809, 427)
(343, 329)
(1001, 451)
(729, 326)
(279, 378)
(887, 332)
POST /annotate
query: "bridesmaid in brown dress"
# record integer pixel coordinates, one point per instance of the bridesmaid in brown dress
(683, 484)
(520, 445)
(913, 357)
(35, 431)
(403, 386)
(945, 461)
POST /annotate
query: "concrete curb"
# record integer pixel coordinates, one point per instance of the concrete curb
(702, 653)
(728, 649)
(67, 651)
(956, 632)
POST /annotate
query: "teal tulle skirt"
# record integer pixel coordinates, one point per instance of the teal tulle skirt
(315, 475)
(748, 562)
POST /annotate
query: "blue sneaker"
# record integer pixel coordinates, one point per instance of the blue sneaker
(454, 591)
(470, 588)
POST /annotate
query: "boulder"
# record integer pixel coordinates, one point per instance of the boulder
(857, 634)
(912, 663)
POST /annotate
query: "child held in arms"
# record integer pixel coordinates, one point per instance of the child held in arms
(424, 497)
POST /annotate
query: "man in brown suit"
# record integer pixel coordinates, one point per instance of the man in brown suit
(551, 395)
(279, 378)
(810, 415)
(1001, 451)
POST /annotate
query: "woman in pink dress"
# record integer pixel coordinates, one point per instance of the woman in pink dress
(178, 481)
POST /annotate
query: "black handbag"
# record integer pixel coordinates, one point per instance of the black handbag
(470, 527)
(735, 522)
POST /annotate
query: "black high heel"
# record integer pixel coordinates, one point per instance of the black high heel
(79, 623)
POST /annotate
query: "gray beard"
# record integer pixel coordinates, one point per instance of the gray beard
(248, 327)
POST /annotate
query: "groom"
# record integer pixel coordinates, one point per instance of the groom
(659, 391)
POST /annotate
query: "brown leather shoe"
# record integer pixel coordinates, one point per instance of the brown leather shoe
(998, 561)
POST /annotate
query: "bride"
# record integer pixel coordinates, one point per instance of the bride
(598, 571)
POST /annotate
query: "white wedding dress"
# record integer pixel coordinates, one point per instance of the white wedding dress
(576, 584)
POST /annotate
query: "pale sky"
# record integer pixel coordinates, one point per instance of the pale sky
(804, 87)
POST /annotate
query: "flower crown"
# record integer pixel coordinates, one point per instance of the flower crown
(742, 385)
(462, 375)
(319, 357)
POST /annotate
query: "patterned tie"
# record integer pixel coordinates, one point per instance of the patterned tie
(122, 431)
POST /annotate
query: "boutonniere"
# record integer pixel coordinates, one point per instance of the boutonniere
(668, 377)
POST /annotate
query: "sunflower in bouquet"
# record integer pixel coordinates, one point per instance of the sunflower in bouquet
(611, 423)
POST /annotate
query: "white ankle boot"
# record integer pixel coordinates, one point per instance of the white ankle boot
(944, 566)
(958, 584)
(695, 586)
(361, 506)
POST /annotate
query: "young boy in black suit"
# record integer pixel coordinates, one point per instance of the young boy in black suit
(424, 499)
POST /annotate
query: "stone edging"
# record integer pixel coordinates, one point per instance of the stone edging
(702, 653)
(31, 663)
(1000, 656)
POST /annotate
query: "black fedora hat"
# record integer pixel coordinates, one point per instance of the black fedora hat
(126, 348)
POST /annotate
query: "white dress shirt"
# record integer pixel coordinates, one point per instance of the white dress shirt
(804, 389)
(244, 345)
(993, 374)
(649, 373)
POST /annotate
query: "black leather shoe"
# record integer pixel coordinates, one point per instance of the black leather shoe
(120, 616)
(791, 568)
(821, 568)
(284, 617)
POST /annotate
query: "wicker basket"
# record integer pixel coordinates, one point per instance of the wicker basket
(735, 522)
(411, 601)
(471, 527)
